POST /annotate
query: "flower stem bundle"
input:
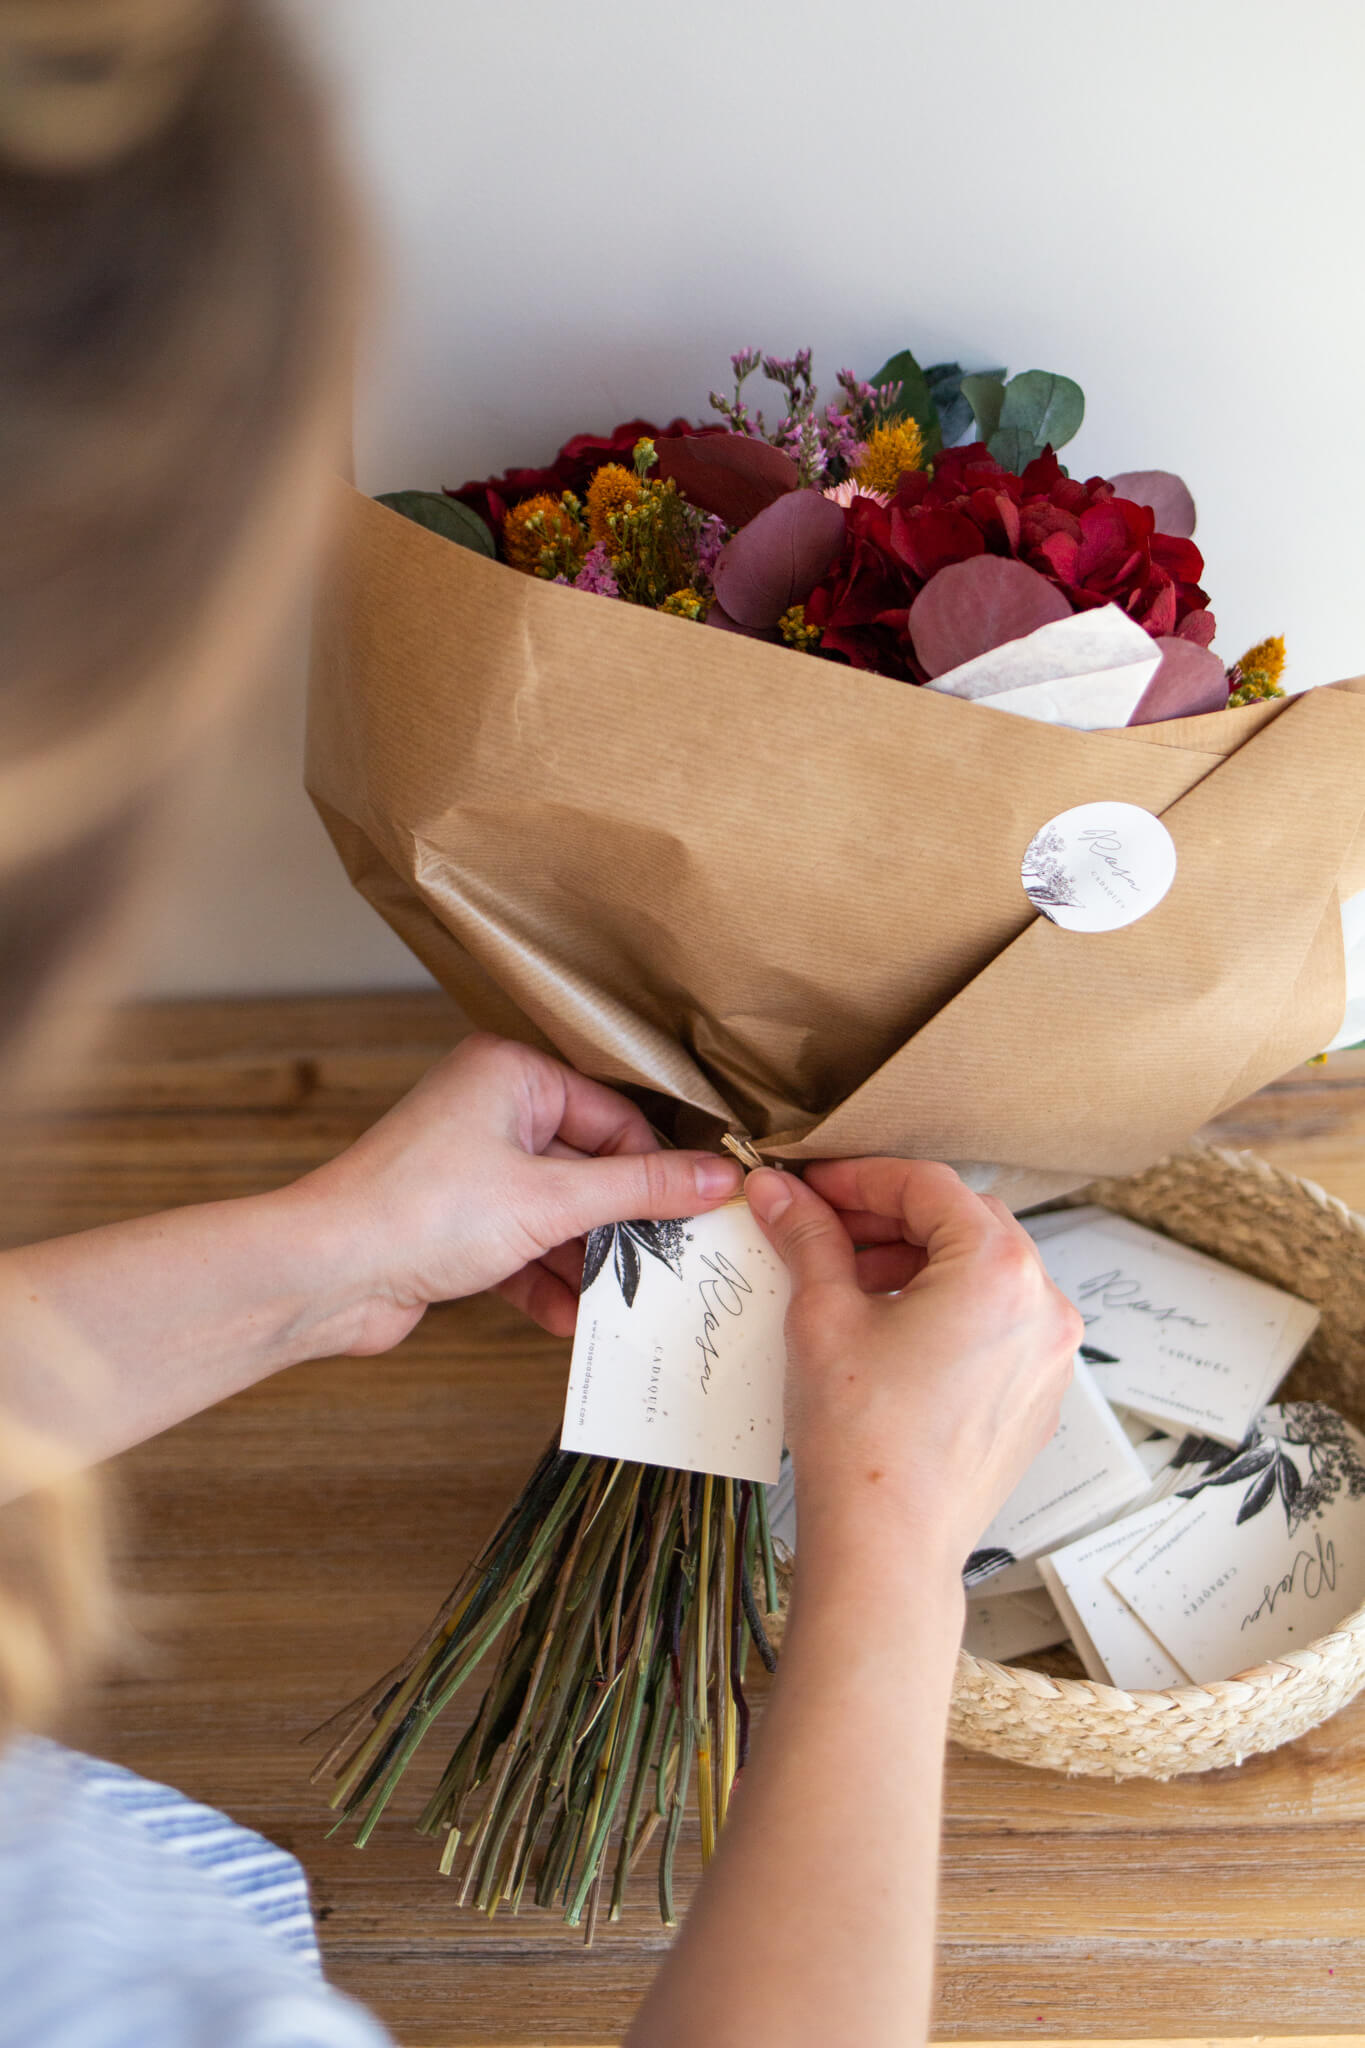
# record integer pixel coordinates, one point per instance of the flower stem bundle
(617, 1605)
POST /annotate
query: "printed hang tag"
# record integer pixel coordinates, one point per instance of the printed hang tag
(1099, 867)
(679, 1355)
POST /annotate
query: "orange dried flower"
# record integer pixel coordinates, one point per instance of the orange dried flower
(542, 537)
(612, 490)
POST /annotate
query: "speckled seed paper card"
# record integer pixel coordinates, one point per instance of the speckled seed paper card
(1173, 1334)
(678, 1357)
(1086, 1469)
(1002, 1626)
(1114, 1646)
(1268, 1554)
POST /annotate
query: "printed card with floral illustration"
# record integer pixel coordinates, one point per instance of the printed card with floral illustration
(1266, 1553)
(679, 1357)
(1175, 1335)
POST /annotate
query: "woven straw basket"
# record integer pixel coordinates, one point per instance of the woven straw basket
(1287, 1231)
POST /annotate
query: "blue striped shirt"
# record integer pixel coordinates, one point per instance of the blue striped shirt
(131, 1917)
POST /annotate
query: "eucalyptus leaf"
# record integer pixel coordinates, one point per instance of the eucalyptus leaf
(986, 396)
(1044, 406)
(916, 401)
(945, 381)
(1013, 448)
(446, 516)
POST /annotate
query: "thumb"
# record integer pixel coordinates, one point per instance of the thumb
(803, 1230)
(624, 1185)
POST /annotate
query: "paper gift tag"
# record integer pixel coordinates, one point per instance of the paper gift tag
(1173, 1334)
(1002, 1626)
(1268, 1554)
(1086, 1469)
(1115, 1647)
(678, 1357)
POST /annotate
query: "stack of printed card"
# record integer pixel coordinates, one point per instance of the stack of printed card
(1182, 1353)
(1170, 1333)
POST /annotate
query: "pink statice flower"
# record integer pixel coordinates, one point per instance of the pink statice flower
(596, 574)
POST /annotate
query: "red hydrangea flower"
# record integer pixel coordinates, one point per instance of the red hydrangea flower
(573, 469)
(1096, 547)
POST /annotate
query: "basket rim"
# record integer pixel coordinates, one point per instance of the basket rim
(1276, 1672)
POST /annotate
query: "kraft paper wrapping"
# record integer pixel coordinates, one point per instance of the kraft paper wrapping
(774, 895)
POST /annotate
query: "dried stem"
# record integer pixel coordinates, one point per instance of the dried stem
(611, 1606)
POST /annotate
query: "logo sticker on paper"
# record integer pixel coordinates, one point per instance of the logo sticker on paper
(1099, 867)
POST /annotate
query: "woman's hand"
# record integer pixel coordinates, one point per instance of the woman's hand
(917, 1412)
(489, 1174)
(910, 1419)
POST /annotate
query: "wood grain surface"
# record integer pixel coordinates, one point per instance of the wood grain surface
(283, 1549)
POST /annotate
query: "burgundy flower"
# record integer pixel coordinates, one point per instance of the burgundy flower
(860, 605)
(573, 469)
(1096, 547)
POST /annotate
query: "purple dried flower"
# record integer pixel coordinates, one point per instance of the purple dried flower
(596, 574)
(841, 436)
(712, 535)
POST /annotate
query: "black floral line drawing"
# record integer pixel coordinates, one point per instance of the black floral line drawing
(984, 1564)
(625, 1242)
(1044, 873)
(1334, 1462)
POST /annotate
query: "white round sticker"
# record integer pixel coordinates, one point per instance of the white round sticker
(1099, 866)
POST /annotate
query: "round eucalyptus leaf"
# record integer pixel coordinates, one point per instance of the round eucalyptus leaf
(985, 395)
(1044, 406)
(446, 516)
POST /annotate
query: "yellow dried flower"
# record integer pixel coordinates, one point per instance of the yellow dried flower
(887, 453)
(543, 537)
(686, 603)
(1265, 659)
(794, 630)
(1257, 675)
(611, 491)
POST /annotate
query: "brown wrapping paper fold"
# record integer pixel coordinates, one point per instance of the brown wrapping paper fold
(781, 896)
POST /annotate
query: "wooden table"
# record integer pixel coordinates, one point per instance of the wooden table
(284, 1549)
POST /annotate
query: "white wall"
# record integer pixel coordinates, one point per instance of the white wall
(584, 209)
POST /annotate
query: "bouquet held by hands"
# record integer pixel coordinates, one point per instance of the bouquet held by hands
(857, 784)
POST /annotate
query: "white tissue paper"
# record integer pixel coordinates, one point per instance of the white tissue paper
(1088, 671)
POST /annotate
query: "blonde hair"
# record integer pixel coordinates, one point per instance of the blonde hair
(175, 287)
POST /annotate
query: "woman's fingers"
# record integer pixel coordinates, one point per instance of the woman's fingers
(866, 1228)
(886, 1268)
(597, 1120)
(565, 1261)
(544, 1297)
(805, 1232)
(934, 1206)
